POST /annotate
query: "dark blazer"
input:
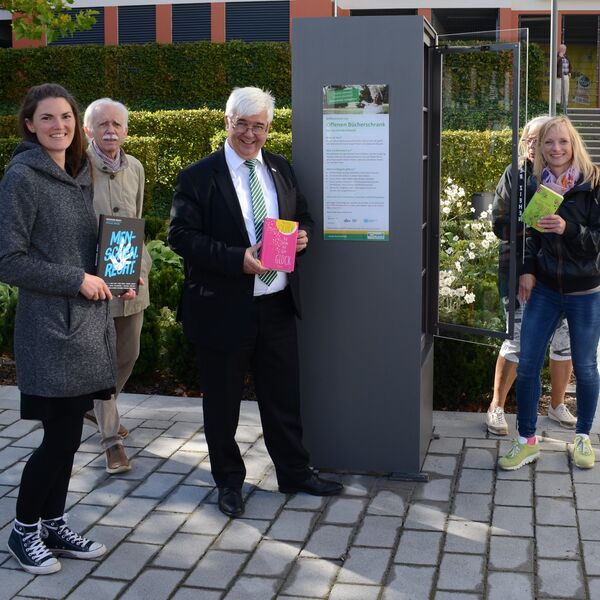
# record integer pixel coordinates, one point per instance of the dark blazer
(207, 228)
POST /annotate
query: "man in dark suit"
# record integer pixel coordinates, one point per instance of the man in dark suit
(237, 313)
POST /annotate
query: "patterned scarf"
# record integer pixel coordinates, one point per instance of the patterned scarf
(563, 183)
(112, 164)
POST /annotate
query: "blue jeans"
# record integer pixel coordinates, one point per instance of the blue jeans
(542, 312)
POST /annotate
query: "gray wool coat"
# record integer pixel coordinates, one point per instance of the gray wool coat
(64, 343)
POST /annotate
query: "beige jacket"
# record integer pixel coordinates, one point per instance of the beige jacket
(122, 194)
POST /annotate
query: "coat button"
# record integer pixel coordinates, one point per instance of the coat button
(112, 175)
(116, 209)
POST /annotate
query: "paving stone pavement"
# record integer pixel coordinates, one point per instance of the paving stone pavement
(468, 533)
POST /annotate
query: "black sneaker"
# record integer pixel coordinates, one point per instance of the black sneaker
(62, 540)
(30, 551)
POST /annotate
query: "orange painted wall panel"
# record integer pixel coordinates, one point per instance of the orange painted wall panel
(217, 22)
(164, 23)
(111, 26)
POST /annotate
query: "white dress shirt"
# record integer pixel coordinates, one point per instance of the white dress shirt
(239, 175)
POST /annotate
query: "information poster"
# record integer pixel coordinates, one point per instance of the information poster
(356, 162)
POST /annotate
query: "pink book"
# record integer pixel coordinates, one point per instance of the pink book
(278, 250)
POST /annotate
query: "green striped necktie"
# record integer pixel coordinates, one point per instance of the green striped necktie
(259, 212)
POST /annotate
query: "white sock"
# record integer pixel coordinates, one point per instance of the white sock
(585, 436)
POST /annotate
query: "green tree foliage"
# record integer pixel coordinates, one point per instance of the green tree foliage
(34, 18)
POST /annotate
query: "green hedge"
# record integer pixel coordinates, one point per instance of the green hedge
(149, 76)
(475, 160)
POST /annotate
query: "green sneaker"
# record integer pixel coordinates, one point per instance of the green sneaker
(582, 452)
(519, 455)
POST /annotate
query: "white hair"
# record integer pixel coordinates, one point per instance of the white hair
(248, 101)
(89, 111)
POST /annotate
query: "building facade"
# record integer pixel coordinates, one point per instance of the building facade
(137, 21)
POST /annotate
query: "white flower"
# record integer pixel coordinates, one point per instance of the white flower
(483, 215)
(455, 238)
(485, 244)
(471, 254)
(458, 266)
(449, 251)
(469, 298)
(446, 210)
(472, 246)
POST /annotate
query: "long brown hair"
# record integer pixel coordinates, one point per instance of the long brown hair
(581, 159)
(75, 155)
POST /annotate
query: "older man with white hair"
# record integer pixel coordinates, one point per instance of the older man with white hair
(118, 191)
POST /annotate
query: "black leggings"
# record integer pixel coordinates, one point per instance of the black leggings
(45, 479)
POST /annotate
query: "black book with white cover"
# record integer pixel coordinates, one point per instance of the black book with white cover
(119, 253)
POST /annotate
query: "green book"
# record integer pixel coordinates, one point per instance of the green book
(544, 202)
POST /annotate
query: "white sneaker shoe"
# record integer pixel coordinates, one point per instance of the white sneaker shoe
(563, 416)
(496, 422)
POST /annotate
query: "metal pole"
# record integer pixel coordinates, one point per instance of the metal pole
(335, 8)
(553, 54)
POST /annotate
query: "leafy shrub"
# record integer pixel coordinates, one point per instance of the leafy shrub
(468, 264)
(148, 76)
(166, 278)
(475, 160)
(463, 374)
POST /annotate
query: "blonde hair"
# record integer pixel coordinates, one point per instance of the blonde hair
(534, 123)
(581, 159)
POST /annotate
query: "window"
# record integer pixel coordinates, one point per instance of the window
(258, 21)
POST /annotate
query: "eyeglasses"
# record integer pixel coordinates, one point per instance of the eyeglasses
(242, 126)
(531, 141)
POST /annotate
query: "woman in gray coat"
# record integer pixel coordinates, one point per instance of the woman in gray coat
(64, 336)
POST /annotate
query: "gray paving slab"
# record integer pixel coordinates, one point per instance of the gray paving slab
(589, 524)
(311, 577)
(252, 587)
(419, 548)
(407, 581)
(562, 578)
(183, 551)
(475, 507)
(510, 586)
(514, 554)
(328, 541)
(344, 510)
(157, 584)
(476, 481)
(591, 557)
(97, 589)
(157, 528)
(292, 525)
(378, 531)
(461, 572)
(424, 515)
(272, 558)
(216, 569)
(557, 542)
(345, 591)
(127, 560)
(467, 534)
(242, 535)
(556, 511)
(366, 566)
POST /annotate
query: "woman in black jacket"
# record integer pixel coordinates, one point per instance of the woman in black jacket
(508, 357)
(561, 275)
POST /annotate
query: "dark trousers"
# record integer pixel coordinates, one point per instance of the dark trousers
(45, 479)
(269, 350)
